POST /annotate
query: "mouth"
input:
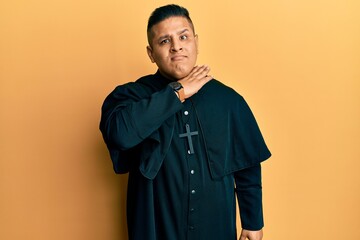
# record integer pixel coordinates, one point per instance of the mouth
(178, 58)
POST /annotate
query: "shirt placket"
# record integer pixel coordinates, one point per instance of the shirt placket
(193, 181)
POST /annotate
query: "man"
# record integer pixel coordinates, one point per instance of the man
(186, 141)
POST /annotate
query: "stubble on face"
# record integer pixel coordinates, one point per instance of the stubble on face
(173, 47)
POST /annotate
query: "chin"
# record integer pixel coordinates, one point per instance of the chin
(177, 72)
(181, 73)
(176, 75)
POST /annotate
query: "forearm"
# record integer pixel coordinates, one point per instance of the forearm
(130, 123)
(249, 194)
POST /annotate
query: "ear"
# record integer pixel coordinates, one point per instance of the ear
(149, 52)
(197, 43)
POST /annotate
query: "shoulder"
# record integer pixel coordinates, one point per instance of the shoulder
(140, 83)
(215, 89)
(138, 88)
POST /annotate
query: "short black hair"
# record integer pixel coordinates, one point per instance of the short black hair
(165, 12)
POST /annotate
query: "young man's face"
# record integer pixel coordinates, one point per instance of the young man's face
(173, 47)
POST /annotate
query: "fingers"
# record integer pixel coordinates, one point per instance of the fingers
(251, 235)
(199, 72)
(196, 79)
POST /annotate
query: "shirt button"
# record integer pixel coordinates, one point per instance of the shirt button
(192, 171)
(193, 191)
(191, 227)
(186, 113)
(189, 152)
(192, 209)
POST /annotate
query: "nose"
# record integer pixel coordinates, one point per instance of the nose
(176, 45)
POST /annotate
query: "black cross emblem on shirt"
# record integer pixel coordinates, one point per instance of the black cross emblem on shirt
(188, 134)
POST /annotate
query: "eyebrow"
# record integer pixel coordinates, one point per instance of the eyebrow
(183, 31)
(178, 33)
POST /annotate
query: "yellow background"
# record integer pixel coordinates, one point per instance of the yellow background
(297, 62)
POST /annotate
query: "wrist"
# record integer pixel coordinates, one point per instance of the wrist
(181, 94)
(178, 89)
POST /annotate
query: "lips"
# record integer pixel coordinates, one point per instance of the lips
(178, 58)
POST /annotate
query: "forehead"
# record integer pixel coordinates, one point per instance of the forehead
(171, 25)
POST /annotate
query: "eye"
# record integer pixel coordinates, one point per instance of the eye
(183, 37)
(165, 41)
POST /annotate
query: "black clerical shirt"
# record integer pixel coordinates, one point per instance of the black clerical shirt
(178, 197)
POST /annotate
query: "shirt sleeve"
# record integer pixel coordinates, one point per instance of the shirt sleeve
(249, 194)
(128, 119)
